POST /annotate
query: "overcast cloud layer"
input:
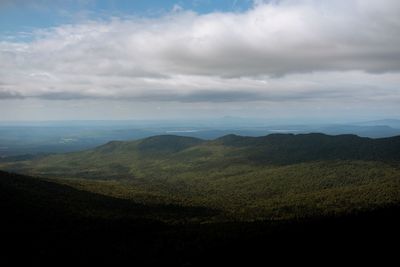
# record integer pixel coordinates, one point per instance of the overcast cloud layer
(279, 51)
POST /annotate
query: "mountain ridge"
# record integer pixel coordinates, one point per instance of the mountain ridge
(273, 148)
(278, 176)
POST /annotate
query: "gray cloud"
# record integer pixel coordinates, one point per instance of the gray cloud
(275, 52)
(4, 94)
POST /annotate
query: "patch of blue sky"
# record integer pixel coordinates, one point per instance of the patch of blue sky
(20, 17)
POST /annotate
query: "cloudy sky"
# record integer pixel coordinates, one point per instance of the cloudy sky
(336, 60)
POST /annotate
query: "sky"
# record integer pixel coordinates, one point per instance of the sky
(303, 60)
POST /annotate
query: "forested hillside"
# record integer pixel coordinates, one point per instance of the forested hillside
(249, 178)
(45, 222)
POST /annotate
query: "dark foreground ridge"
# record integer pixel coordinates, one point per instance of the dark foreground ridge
(46, 222)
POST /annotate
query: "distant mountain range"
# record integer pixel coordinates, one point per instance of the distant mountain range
(393, 123)
(60, 137)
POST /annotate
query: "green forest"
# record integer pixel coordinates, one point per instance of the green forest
(248, 178)
(184, 201)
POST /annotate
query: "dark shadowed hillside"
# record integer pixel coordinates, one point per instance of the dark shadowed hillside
(43, 221)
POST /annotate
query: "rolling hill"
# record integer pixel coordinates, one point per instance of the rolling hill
(279, 176)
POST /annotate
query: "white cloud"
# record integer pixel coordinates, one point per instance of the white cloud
(278, 51)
